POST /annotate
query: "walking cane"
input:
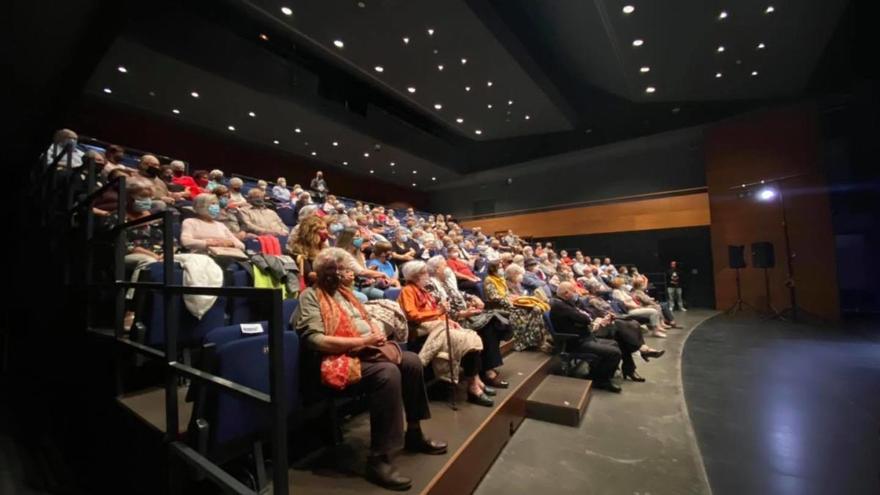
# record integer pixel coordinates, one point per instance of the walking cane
(452, 384)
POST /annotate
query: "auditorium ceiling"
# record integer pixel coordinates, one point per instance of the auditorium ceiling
(421, 92)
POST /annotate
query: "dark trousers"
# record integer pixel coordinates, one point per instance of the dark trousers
(469, 287)
(386, 384)
(470, 364)
(629, 338)
(604, 360)
(491, 353)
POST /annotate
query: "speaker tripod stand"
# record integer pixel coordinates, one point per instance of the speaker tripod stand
(739, 304)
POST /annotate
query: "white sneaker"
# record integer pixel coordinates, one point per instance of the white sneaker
(684, 309)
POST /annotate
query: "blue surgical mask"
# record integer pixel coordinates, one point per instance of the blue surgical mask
(357, 242)
(335, 228)
(214, 211)
(144, 204)
(224, 202)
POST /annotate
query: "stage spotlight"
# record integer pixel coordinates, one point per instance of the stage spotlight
(766, 194)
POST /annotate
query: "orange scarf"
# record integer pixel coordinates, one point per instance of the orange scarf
(340, 370)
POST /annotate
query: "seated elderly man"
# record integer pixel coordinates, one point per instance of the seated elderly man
(62, 141)
(534, 279)
(332, 321)
(258, 219)
(566, 317)
(150, 170)
(280, 193)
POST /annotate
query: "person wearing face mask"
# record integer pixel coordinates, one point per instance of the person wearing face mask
(114, 155)
(566, 317)
(380, 261)
(149, 169)
(308, 239)
(404, 248)
(215, 178)
(205, 231)
(236, 199)
(258, 219)
(427, 318)
(62, 141)
(331, 321)
(144, 242)
(280, 193)
(467, 280)
(179, 177)
(228, 214)
(501, 288)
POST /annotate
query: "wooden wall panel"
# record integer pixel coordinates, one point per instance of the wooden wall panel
(689, 210)
(765, 146)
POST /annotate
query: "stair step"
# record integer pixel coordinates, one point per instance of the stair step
(559, 399)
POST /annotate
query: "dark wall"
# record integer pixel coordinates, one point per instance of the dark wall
(206, 150)
(651, 251)
(665, 162)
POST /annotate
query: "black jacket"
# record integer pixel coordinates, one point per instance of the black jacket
(566, 318)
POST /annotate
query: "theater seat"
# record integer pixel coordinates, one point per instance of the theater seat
(568, 361)
(288, 216)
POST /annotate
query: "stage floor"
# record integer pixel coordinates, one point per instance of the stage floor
(638, 442)
(780, 408)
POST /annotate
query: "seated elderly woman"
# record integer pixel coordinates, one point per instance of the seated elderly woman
(427, 318)
(525, 315)
(470, 312)
(144, 242)
(639, 284)
(236, 199)
(205, 230)
(331, 321)
(650, 316)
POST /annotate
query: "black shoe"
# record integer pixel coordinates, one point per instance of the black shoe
(634, 376)
(496, 382)
(647, 355)
(416, 442)
(610, 387)
(491, 392)
(381, 472)
(480, 400)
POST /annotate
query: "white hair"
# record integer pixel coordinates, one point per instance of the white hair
(236, 182)
(512, 271)
(215, 173)
(203, 201)
(341, 257)
(412, 269)
(436, 263)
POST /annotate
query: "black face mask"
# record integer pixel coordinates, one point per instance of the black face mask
(329, 279)
(153, 172)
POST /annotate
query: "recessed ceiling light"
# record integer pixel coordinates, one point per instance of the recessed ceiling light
(231, 127)
(754, 73)
(338, 44)
(489, 106)
(335, 143)
(720, 49)
(676, 109)
(722, 15)
(509, 102)
(414, 184)
(628, 9)
(152, 93)
(645, 69)
(297, 130)
(717, 75)
(739, 62)
(194, 94)
(122, 69)
(467, 88)
(769, 10)
(276, 141)
(588, 131)
(415, 172)
(463, 61)
(314, 153)
(345, 163)
(252, 114)
(489, 83)
(527, 117)
(264, 37)
(379, 68)
(430, 32)
(638, 42)
(650, 89)
(438, 106)
(440, 67)
(761, 46)
(175, 111)
(371, 171)
(405, 40)
(366, 155)
(411, 89)
(286, 11)
(478, 132)
(459, 120)
(306, 143)
(108, 90)
(362, 4)
(392, 163)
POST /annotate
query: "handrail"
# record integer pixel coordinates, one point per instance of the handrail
(92, 196)
(105, 144)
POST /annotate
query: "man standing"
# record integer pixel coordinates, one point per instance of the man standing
(567, 318)
(319, 186)
(674, 286)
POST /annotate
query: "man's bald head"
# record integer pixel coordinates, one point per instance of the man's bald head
(565, 290)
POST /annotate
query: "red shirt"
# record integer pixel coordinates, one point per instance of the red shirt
(460, 267)
(190, 184)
